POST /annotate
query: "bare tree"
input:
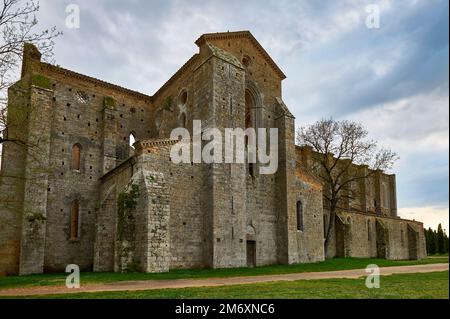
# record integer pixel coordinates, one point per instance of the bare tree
(18, 24)
(338, 147)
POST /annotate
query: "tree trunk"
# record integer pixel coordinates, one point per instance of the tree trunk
(331, 222)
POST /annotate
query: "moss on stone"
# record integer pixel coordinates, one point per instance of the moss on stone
(33, 217)
(167, 104)
(126, 206)
(42, 81)
(109, 102)
(126, 203)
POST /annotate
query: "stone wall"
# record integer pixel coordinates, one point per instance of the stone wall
(142, 230)
(370, 236)
(368, 217)
(374, 194)
(184, 189)
(216, 209)
(187, 215)
(99, 118)
(189, 194)
(310, 239)
(12, 177)
(69, 109)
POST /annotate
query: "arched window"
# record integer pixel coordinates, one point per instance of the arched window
(76, 157)
(249, 106)
(300, 225)
(74, 220)
(402, 235)
(246, 61)
(182, 98)
(131, 140)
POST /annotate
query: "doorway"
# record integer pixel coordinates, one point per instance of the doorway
(382, 240)
(251, 253)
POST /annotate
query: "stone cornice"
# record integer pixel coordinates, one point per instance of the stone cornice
(155, 142)
(371, 214)
(73, 74)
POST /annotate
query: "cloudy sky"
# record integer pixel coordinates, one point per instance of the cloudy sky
(394, 79)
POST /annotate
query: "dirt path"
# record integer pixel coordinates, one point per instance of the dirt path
(212, 282)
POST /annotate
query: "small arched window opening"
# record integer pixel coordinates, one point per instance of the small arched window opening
(300, 225)
(369, 231)
(76, 157)
(246, 61)
(249, 106)
(182, 98)
(74, 220)
(131, 140)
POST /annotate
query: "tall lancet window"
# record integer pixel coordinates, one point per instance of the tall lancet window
(74, 220)
(249, 107)
(76, 157)
(300, 225)
(131, 140)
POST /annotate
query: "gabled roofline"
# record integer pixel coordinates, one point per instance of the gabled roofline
(83, 77)
(176, 75)
(241, 34)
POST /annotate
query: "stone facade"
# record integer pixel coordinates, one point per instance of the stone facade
(78, 193)
(367, 224)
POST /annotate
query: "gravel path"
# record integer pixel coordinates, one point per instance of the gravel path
(212, 282)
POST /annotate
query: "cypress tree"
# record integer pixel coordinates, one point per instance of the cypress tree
(431, 241)
(440, 240)
(427, 240)
(445, 242)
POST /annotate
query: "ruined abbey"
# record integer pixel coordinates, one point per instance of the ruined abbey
(76, 192)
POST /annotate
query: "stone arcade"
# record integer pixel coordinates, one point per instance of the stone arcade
(81, 195)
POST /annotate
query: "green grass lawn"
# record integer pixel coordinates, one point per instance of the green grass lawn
(411, 286)
(328, 265)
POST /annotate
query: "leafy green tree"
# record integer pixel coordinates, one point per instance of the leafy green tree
(427, 239)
